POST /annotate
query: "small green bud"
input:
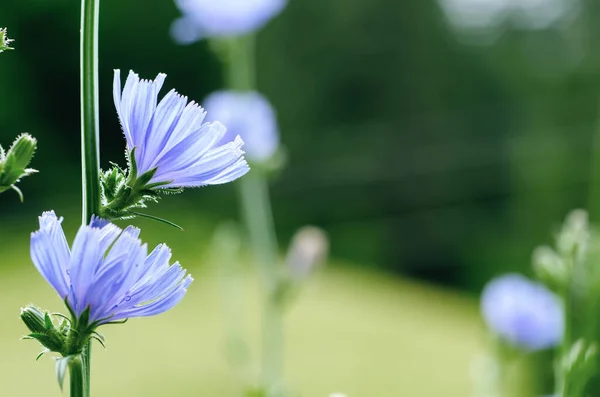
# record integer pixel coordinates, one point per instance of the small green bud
(308, 249)
(573, 239)
(21, 152)
(13, 164)
(42, 329)
(34, 319)
(550, 268)
(4, 40)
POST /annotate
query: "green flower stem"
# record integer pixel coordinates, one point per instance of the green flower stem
(77, 377)
(259, 221)
(239, 58)
(594, 181)
(90, 155)
(238, 54)
(562, 380)
(90, 159)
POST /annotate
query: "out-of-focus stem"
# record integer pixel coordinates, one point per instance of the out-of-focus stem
(563, 383)
(258, 216)
(259, 220)
(240, 64)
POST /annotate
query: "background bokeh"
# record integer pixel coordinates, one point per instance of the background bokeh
(437, 143)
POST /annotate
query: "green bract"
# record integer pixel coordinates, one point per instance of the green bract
(13, 164)
(124, 192)
(4, 41)
(56, 333)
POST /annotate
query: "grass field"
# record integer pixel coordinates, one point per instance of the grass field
(349, 331)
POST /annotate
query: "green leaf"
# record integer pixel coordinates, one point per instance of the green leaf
(41, 354)
(132, 167)
(19, 192)
(48, 321)
(52, 342)
(99, 340)
(61, 369)
(156, 218)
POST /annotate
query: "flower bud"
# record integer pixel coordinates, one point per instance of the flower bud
(550, 267)
(4, 41)
(574, 236)
(522, 312)
(14, 162)
(42, 329)
(34, 319)
(309, 248)
(222, 18)
(249, 115)
(20, 153)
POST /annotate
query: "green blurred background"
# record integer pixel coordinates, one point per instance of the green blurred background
(437, 142)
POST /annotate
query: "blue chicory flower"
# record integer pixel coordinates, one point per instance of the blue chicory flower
(222, 18)
(249, 115)
(107, 270)
(523, 312)
(171, 136)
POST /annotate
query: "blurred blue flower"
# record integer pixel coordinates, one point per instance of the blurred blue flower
(249, 115)
(222, 18)
(107, 270)
(523, 312)
(172, 137)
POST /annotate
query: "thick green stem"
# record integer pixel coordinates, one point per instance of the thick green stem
(77, 378)
(90, 153)
(256, 206)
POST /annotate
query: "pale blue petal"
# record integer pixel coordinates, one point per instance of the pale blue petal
(163, 124)
(188, 152)
(121, 269)
(167, 281)
(125, 107)
(155, 265)
(86, 257)
(233, 172)
(223, 159)
(249, 115)
(161, 305)
(228, 17)
(185, 31)
(191, 120)
(50, 252)
(117, 92)
(523, 312)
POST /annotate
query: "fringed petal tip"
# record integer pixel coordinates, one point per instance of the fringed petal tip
(97, 222)
(48, 219)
